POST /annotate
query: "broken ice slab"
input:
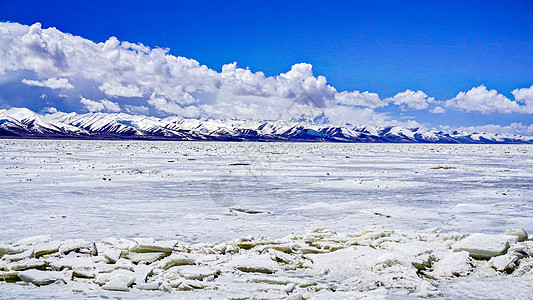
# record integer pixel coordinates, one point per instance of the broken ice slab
(43, 277)
(150, 245)
(484, 246)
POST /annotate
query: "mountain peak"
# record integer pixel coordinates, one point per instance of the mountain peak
(24, 123)
(20, 113)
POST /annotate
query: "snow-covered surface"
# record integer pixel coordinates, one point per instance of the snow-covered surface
(185, 207)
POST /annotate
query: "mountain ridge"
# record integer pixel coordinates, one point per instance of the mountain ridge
(24, 123)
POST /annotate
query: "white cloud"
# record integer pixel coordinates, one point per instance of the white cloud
(357, 98)
(483, 100)
(513, 129)
(164, 83)
(411, 100)
(357, 116)
(143, 80)
(173, 107)
(101, 105)
(115, 89)
(437, 110)
(137, 110)
(50, 110)
(525, 96)
(53, 83)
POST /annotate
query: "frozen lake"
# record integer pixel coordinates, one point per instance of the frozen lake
(211, 192)
(99, 189)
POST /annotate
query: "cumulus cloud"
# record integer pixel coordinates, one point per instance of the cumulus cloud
(115, 89)
(103, 105)
(437, 110)
(134, 78)
(153, 81)
(483, 100)
(357, 98)
(50, 110)
(525, 96)
(411, 100)
(53, 83)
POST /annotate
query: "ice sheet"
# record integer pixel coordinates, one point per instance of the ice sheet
(205, 192)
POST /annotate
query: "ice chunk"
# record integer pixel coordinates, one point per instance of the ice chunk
(123, 244)
(528, 247)
(128, 277)
(117, 283)
(195, 272)
(256, 263)
(41, 277)
(484, 246)
(123, 263)
(269, 279)
(147, 257)
(112, 255)
(73, 245)
(176, 260)
(520, 233)
(149, 245)
(363, 267)
(46, 248)
(73, 263)
(31, 263)
(455, 264)
(503, 263)
(142, 272)
(9, 276)
(519, 250)
(33, 240)
(19, 256)
(149, 286)
(9, 249)
(83, 272)
(289, 288)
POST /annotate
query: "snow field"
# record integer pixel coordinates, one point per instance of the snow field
(131, 197)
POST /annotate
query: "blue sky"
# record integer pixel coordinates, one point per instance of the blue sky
(386, 47)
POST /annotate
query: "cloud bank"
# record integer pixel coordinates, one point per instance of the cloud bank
(47, 70)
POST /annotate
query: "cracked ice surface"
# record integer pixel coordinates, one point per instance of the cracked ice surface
(205, 192)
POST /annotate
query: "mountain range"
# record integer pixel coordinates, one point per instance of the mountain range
(24, 123)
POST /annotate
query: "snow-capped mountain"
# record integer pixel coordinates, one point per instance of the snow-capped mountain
(24, 123)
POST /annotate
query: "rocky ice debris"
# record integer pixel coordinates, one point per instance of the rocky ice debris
(316, 261)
